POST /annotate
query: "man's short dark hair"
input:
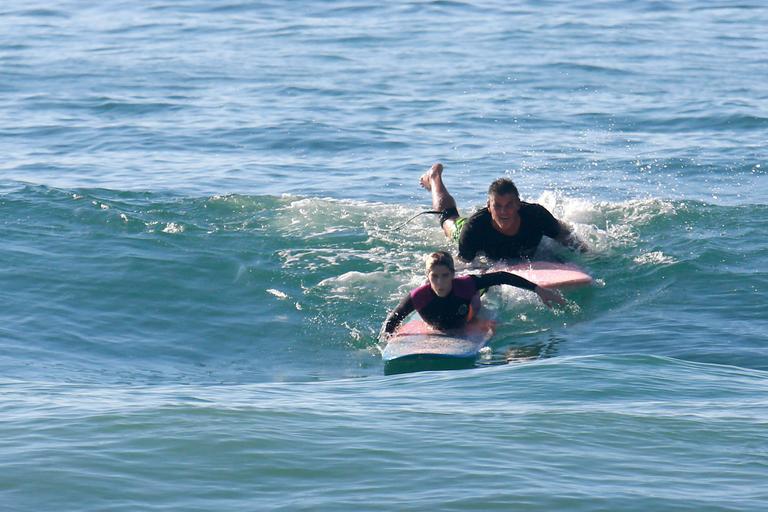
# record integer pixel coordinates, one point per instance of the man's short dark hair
(502, 187)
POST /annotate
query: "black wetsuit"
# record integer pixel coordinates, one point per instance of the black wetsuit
(479, 236)
(453, 311)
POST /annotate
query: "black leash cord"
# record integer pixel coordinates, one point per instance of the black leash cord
(432, 212)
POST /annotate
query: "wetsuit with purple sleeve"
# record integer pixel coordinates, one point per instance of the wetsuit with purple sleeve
(454, 310)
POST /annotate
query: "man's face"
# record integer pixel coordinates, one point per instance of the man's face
(504, 210)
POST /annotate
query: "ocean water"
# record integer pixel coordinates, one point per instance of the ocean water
(199, 211)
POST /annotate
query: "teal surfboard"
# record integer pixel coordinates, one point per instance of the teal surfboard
(416, 346)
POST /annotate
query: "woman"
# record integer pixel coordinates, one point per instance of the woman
(449, 302)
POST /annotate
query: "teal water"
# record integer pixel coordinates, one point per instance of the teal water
(629, 437)
(197, 208)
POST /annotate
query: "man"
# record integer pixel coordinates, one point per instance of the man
(507, 228)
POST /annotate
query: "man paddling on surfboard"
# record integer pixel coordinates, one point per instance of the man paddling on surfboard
(448, 302)
(507, 228)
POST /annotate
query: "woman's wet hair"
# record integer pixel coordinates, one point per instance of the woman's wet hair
(439, 258)
(502, 187)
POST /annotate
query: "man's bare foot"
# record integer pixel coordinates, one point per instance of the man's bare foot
(434, 172)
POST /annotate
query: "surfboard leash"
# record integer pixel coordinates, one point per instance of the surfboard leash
(425, 212)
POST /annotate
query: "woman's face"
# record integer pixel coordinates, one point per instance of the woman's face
(441, 280)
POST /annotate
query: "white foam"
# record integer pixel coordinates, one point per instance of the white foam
(277, 293)
(173, 228)
(389, 263)
(354, 278)
(654, 258)
(606, 225)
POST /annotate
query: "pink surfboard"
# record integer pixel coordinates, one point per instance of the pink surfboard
(547, 274)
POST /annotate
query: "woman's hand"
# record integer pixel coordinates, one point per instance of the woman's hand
(549, 296)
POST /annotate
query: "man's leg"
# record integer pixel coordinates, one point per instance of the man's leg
(432, 180)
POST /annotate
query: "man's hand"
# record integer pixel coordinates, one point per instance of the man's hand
(569, 239)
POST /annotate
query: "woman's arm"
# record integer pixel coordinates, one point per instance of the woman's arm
(547, 295)
(396, 317)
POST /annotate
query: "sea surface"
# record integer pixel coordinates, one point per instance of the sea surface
(200, 220)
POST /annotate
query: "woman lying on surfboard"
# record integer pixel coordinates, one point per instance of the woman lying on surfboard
(449, 302)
